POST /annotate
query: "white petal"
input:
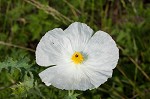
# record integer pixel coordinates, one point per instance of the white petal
(53, 48)
(102, 57)
(79, 34)
(97, 77)
(102, 51)
(67, 77)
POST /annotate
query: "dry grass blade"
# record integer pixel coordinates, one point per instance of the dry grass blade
(56, 14)
(74, 10)
(122, 72)
(130, 81)
(136, 64)
(17, 46)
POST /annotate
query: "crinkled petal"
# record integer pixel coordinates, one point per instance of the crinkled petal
(54, 48)
(79, 34)
(102, 57)
(97, 77)
(68, 77)
(102, 51)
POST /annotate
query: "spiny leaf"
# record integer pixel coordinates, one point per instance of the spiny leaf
(22, 88)
(11, 64)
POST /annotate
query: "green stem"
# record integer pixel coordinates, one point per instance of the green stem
(70, 92)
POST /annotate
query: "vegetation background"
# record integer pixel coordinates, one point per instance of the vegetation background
(24, 22)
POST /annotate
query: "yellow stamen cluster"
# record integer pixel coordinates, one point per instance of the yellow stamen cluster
(77, 58)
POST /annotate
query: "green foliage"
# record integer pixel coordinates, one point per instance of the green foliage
(11, 64)
(24, 22)
(71, 95)
(23, 88)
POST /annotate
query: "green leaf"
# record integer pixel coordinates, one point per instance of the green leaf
(11, 64)
(23, 88)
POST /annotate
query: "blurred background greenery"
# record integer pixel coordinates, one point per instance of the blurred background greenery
(24, 22)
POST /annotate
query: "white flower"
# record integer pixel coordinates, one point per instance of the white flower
(82, 61)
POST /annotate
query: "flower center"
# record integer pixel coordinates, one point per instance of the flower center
(77, 58)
